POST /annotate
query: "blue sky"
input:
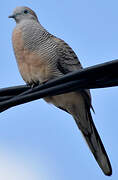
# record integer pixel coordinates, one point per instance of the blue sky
(37, 140)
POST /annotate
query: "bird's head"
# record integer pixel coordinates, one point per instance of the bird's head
(23, 13)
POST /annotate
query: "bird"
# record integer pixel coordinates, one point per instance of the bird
(42, 57)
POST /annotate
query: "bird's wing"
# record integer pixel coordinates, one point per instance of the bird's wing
(67, 59)
(68, 62)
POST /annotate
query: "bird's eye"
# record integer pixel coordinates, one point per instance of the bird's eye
(26, 11)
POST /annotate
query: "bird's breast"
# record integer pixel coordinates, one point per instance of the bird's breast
(32, 66)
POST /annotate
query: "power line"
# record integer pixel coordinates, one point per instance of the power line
(98, 76)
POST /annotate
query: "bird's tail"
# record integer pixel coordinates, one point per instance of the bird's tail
(95, 144)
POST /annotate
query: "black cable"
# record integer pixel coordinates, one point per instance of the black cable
(12, 91)
(99, 76)
(97, 72)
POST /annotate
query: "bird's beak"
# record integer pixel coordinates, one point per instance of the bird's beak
(11, 16)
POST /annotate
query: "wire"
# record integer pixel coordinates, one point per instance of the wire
(98, 76)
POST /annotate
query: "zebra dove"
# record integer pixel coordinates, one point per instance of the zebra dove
(42, 57)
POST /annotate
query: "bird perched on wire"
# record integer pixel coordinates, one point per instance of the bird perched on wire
(42, 57)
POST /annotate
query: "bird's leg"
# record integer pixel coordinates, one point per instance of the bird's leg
(33, 84)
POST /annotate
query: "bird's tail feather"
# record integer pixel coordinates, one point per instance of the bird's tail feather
(96, 146)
